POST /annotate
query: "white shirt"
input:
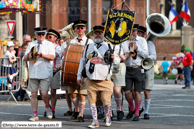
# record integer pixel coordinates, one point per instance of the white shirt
(63, 46)
(83, 41)
(58, 58)
(142, 52)
(123, 50)
(6, 62)
(152, 50)
(100, 70)
(43, 68)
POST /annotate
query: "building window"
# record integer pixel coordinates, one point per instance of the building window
(167, 7)
(73, 10)
(106, 5)
(177, 4)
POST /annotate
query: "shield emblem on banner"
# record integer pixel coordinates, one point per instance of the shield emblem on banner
(119, 25)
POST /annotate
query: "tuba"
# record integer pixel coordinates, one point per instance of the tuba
(90, 35)
(69, 29)
(158, 25)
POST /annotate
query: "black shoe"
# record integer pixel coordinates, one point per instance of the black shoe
(130, 114)
(146, 116)
(101, 115)
(136, 118)
(53, 114)
(120, 115)
(81, 119)
(74, 115)
(68, 113)
(140, 111)
(44, 113)
(183, 87)
(113, 115)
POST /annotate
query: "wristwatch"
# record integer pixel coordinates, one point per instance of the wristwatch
(40, 54)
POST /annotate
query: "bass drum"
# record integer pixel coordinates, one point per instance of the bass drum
(70, 65)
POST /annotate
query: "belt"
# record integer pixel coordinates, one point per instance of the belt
(122, 62)
(134, 67)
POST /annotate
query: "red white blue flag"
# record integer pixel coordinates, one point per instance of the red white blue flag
(185, 12)
(173, 16)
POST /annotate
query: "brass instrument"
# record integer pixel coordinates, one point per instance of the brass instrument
(90, 35)
(69, 29)
(131, 48)
(158, 25)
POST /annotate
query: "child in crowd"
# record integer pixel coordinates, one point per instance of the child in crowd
(21, 92)
(8, 67)
(156, 68)
(165, 67)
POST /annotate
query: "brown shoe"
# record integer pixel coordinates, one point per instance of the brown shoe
(187, 88)
(68, 113)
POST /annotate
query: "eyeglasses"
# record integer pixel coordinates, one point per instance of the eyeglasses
(80, 28)
(39, 34)
(98, 32)
(49, 37)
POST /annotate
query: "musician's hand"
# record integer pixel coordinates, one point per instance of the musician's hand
(131, 43)
(135, 46)
(38, 54)
(112, 56)
(79, 82)
(79, 44)
(27, 57)
(60, 67)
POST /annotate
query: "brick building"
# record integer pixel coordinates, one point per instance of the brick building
(57, 14)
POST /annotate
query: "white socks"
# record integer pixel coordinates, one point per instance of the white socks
(147, 105)
(118, 102)
(93, 111)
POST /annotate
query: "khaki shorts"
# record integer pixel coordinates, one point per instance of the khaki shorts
(81, 91)
(104, 88)
(64, 88)
(34, 84)
(119, 78)
(56, 81)
(149, 79)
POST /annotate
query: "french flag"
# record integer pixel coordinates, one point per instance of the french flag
(173, 15)
(185, 12)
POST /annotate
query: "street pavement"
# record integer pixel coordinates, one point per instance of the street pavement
(171, 108)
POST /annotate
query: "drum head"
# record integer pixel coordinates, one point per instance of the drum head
(96, 60)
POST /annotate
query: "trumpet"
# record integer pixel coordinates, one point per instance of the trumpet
(132, 53)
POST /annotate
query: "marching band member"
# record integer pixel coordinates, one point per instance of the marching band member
(96, 75)
(53, 36)
(135, 74)
(40, 71)
(118, 77)
(149, 75)
(81, 39)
